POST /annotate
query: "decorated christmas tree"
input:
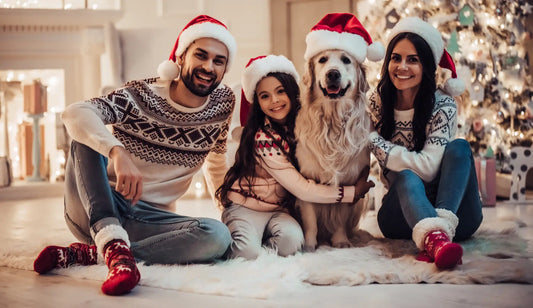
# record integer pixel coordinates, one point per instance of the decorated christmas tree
(485, 38)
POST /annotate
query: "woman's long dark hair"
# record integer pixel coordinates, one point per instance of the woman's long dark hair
(246, 158)
(424, 100)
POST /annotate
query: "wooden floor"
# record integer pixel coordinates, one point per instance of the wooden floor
(43, 209)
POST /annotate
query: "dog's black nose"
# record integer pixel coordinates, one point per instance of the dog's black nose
(333, 75)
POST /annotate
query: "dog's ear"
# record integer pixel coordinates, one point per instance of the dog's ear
(308, 79)
(362, 83)
(308, 82)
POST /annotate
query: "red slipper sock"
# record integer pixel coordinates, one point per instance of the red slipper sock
(61, 257)
(445, 253)
(123, 273)
(423, 256)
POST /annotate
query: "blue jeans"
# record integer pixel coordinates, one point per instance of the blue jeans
(455, 188)
(156, 236)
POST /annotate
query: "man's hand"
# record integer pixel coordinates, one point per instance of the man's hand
(129, 178)
(362, 186)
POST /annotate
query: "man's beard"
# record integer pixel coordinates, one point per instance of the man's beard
(198, 90)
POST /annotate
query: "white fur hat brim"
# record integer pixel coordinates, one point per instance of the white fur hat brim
(209, 30)
(260, 68)
(169, 70)
(417, 26)
(320, 40)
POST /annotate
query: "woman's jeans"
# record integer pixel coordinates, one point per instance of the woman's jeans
(455, 188)
(156, 236)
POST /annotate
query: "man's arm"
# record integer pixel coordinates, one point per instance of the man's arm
(214, 169)
(86, 125)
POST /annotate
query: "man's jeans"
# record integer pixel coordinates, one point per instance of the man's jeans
(455, 188)
(156, 236)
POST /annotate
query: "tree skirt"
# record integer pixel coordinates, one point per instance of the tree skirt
(496, 254)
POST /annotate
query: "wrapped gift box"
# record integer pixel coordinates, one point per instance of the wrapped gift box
(35, 101)
(503, 185)
(25, 141)
(486, 178)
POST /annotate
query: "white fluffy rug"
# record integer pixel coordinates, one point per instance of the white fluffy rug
(493, 255)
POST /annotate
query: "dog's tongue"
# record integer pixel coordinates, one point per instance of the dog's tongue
(333, 90)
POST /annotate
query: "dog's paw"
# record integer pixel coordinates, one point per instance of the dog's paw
(310, 242)
(309, 248)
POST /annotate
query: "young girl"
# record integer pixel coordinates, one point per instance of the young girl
(433, 191)
(258, 189)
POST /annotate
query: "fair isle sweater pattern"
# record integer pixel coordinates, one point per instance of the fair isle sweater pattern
(268, 193)
(441, 129)
(154, 131)
(265, 146)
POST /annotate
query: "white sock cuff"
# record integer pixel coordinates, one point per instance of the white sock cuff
(109, 233)
(450, 217)
(427, 225)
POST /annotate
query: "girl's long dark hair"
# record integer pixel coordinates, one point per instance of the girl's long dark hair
(424, 100)
(246, 158)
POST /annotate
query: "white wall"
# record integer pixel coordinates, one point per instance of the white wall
(148, 31)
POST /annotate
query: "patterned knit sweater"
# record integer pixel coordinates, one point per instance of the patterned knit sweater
(168, 142)
(397, 154)
(276, 177)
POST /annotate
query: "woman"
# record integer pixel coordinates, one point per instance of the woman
(433, 192)
(258, 190)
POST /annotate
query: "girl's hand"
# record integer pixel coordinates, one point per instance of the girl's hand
(129, 178)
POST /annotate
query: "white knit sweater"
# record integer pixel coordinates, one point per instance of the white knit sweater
(168, 142)
(397, 154)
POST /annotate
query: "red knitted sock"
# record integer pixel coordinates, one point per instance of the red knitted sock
(61, 257)
(123, 273)
(441, 249)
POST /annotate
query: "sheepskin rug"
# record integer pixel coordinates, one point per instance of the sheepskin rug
(495, 254)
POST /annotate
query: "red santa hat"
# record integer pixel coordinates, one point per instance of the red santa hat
(257, 69)
(342, 31)
(454, 86)
(199, 27)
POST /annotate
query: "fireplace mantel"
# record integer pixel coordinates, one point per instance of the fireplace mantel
(72, 40)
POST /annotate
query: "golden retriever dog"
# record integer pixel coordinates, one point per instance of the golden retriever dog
(331, 129)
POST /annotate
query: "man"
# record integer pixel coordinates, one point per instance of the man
(121, 185)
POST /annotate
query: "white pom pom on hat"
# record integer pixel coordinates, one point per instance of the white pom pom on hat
(199, 27)
(453, 86)
(342, 31)
(168, 70)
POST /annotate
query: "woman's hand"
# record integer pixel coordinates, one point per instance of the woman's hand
(362, 186)
(129, 178)
(372, 127)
